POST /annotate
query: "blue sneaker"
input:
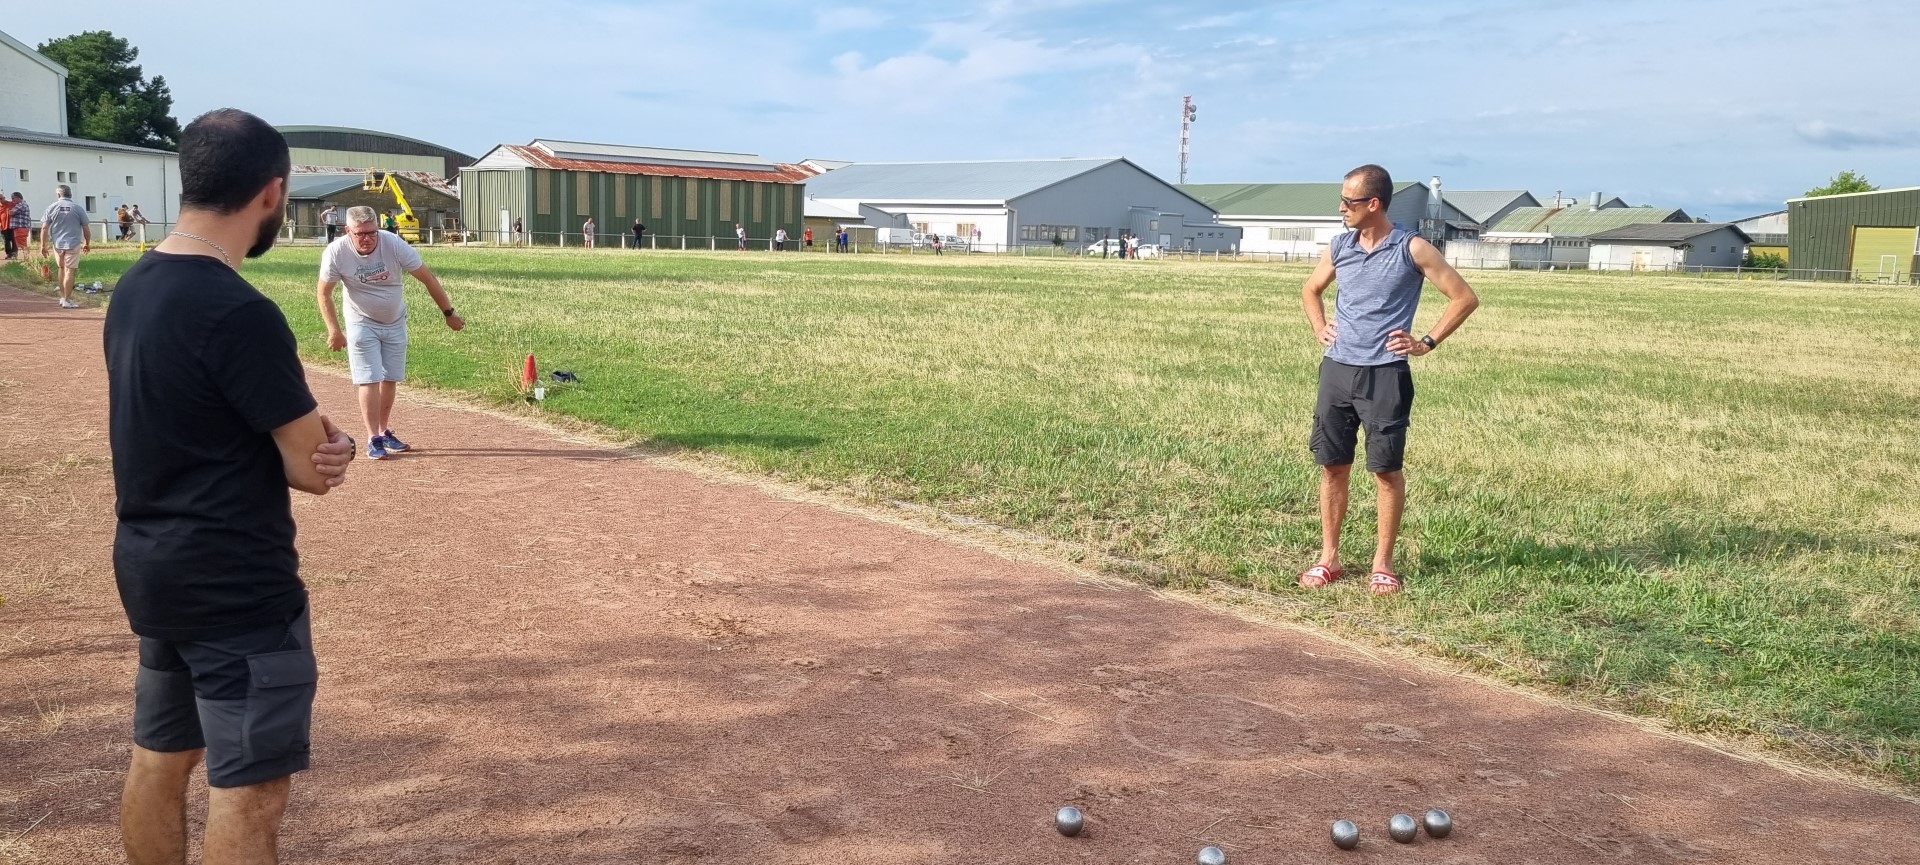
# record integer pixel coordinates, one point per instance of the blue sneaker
(393, 443)
(376, 448)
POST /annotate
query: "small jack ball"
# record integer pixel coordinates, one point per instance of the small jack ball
(1439, 823)
(1402, 828)
(1068, 820)
(1346, 835)
(1211, 856)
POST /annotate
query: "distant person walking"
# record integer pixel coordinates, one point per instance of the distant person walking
(519, 231)
(806, 238)
(936, 244)
(332, 219)
(780, 240)
(373, 264)
(140, 220)
(65, 228)
(125, 218)
(20, 223)
(841, 240)
(1365, 380)
(740, 232)
(639, 233)
(586, 231)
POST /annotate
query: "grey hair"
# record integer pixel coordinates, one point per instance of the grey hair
(361, 214)
(63, 191)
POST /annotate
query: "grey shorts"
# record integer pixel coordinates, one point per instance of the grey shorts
(247, 699)
(377, 352)
(1379, 398)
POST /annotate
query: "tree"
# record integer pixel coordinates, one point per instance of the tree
(1841, 184)
(107, 97)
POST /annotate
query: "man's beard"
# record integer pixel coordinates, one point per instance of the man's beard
(269, 232)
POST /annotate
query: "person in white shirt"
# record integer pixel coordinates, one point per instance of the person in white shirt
(586, 231)
(332, 219)
(780, 240)
(373, 263)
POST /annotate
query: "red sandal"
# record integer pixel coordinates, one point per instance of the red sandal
(1320, 575)
(1384, 583)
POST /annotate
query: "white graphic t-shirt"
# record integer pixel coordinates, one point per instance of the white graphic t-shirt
(374, 281)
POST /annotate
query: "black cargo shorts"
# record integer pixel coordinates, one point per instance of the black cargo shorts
(247, 699)
(1379, 398)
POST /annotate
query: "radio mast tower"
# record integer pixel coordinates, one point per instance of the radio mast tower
(1186, 127)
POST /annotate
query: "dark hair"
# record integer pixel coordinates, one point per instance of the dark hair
(226, 157)
(1375, 182)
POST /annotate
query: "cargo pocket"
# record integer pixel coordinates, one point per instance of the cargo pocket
(280, 688)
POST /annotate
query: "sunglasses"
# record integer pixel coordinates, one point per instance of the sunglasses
(1356, 202)
(372, 233)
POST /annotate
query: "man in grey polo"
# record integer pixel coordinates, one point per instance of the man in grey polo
(374, 265)
(1364, 377)
(65, 227)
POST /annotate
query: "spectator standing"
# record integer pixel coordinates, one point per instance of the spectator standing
(586, 231)
(65, 228)
(20, 222)
(332, 219)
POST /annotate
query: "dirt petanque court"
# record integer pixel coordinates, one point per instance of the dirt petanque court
(540, 650)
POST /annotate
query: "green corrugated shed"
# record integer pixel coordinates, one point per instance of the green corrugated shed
(1580, 221)
(1320, 200)
(1820, 230)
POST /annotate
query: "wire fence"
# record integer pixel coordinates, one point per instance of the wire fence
(308, 234)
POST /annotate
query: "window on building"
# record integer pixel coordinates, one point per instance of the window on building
(73, 177)
(1715, 248)
(964, 229)
(543, 193)
(920, 227)
(89, 204)
(583, 192)
(129, 180)
(24, 175)
(693, 198)
(59, 177)
(1289, 234)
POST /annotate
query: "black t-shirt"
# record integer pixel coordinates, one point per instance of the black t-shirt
(201, 368)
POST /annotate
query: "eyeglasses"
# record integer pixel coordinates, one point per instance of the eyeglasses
(372, 233)
(1355, 203)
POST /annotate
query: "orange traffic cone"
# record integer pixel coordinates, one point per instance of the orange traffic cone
(528, 375)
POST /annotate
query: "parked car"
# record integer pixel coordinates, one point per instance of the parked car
(1148, 250)
(1109, 246)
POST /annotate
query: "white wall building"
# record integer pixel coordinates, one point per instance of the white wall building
(36, 154)
(1025, 202)
(1299, 219)
(1668, 246)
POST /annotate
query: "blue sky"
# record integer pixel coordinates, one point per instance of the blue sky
(1725, 108)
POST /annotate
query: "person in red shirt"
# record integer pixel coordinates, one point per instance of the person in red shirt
(807, 237)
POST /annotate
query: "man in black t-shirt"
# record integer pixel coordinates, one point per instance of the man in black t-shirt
(211, 421)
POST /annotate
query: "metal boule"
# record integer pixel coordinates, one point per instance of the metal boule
(1211, 856)
(1068, 820)
(1346, 835)
(1402, 828)
(1439, 823)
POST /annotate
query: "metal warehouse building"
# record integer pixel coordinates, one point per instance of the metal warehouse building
(359, 149)
(1301, 218)
(1867, 236)
(686, 198)
(992, 204)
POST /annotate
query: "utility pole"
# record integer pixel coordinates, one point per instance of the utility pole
(1186, 126)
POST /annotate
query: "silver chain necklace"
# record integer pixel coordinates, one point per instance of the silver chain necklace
(216, 246)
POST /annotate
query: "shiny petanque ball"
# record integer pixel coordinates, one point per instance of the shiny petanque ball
(1068, 821)
(1402, 828)
(1346, 835)
(1439, 823)
(1211, 856)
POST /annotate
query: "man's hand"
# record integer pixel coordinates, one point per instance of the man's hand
(336, 340)
(456, 322)
(1328, 334)
(1402, 343)
(331, 458)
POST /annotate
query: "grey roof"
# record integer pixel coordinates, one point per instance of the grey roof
(304, 187)
(1663, 232)
(1297, 200)
(9, 133)
(1480, 205)
(994, 181)
(1759, 215)
(1768, 238)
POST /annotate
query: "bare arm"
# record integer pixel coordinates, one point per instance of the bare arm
(323, 295)
(299, 441)
(1461, 301)
(440, 299)
(1312, 298)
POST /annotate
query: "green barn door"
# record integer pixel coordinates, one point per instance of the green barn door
(1883, 254)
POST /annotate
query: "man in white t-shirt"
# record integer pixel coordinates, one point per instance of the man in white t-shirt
(373, 263)
(586, 231)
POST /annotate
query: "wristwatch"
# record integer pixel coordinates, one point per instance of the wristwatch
(1428, 339)
(448, 312)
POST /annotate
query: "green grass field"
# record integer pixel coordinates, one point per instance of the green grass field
(1692, 500)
